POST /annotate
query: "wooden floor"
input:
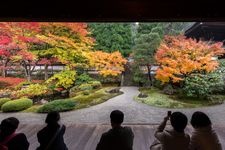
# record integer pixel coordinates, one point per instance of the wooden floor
(86, 136)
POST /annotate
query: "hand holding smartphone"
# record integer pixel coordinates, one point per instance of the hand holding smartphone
(169, 113)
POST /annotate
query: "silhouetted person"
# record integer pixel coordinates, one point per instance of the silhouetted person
(203, 137)
(117, 138)
(8, 136)
(172, 139)
(51, 136)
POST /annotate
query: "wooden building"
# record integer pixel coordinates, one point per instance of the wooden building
(207, 31)
(214, 31)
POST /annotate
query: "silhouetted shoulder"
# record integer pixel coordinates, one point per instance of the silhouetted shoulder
(128, 130)
(121, 130)
(19, 142)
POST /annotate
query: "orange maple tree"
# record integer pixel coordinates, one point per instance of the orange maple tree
(107, 64)
(179, 56)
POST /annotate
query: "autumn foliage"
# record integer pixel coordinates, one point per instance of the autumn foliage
(179, 57)
(108, 64)
(27, 44)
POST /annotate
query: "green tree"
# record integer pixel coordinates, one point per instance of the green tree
(111, 37)
(147, 40)
(144, 50)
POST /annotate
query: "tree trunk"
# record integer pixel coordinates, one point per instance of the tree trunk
(27, 71)
(29, 78)
(46, 71)
(149, 74)
(4, 71)
(122, 79)
(28, 74)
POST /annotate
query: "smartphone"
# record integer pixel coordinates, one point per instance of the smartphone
(169, 113)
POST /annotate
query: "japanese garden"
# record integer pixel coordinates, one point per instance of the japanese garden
(71, 66)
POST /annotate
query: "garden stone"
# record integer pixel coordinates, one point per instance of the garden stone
(5, 95)
(42, 101)
(72, 92)
(168, 89)
(65, 93)
(113, 90)
(24, 86)
(142, 95)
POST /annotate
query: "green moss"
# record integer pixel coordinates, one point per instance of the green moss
(159, 99)
(94, 98)
(80, 101)
(33, 108)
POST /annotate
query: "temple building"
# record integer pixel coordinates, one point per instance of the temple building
(207, 31)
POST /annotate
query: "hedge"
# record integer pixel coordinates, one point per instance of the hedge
(3, 101)
(57, 105)
(17, 105)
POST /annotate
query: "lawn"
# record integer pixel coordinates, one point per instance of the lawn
(158, 99)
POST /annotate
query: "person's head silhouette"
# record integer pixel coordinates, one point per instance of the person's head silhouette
(178, 121)
(116, 118)
(9, 125)
(200, 119)
(52, 118)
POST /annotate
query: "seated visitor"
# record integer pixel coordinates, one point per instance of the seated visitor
(9, 139)
(172, 139)
(117, 138)
(203, 137)
(51, 136)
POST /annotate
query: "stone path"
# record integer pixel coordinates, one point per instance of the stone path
(135, 112)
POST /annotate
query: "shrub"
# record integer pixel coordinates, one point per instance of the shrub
(11, 81)
(20, 85)
(85, 86)
(31, 90)
(215, 99)
(73, 91)
(201, 86)
(3, 101)
(87, 92)
(5, 93)
(57, 105)
(158, 84)
(83, 78)
(95, 84)
(17, 105)
(63, 79)
(139, 77)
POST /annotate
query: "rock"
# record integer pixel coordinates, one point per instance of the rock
(42, 101)
(73, 91)
(5, 95)
(142, 95)
(113, 90)
(168, 89)
(65, 93)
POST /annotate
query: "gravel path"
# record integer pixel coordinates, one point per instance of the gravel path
(135, 112)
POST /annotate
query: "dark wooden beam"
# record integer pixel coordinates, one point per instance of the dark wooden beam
(111, 10)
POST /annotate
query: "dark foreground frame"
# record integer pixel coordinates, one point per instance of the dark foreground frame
(112, 10)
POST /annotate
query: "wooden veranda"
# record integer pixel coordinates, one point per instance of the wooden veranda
(86, 136)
